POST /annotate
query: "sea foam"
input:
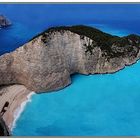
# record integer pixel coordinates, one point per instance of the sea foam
(20, 109)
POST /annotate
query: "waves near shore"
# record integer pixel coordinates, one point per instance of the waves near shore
(20, 109)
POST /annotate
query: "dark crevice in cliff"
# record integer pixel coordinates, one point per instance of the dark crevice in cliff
(4, 131)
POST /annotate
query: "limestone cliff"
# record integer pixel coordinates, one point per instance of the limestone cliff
(46, 62)
(4, 22)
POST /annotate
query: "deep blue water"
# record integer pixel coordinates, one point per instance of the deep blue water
(31, 19)
(97, 105)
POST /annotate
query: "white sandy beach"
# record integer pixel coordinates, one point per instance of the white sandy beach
(17, 96)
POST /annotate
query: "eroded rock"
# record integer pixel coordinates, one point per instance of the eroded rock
(47, 61)
(4, 22)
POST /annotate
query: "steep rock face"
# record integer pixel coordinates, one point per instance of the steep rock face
(47, 61)
(4, 131)
(4, 22)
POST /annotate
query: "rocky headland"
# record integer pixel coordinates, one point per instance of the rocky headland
(48, 60)
(4, 22)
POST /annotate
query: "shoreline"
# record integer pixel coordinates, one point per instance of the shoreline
(17, 97)
(18, 111)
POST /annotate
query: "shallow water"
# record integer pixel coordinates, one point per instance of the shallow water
(99, 105)
(95, 105)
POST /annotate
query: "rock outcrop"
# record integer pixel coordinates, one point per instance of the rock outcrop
(4, 22)
(46, 62)
(4, 131)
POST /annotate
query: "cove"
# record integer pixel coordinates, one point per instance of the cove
(95, 105)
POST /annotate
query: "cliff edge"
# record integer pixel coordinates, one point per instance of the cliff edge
(46, 62)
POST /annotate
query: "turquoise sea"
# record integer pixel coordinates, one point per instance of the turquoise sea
(95, 105)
